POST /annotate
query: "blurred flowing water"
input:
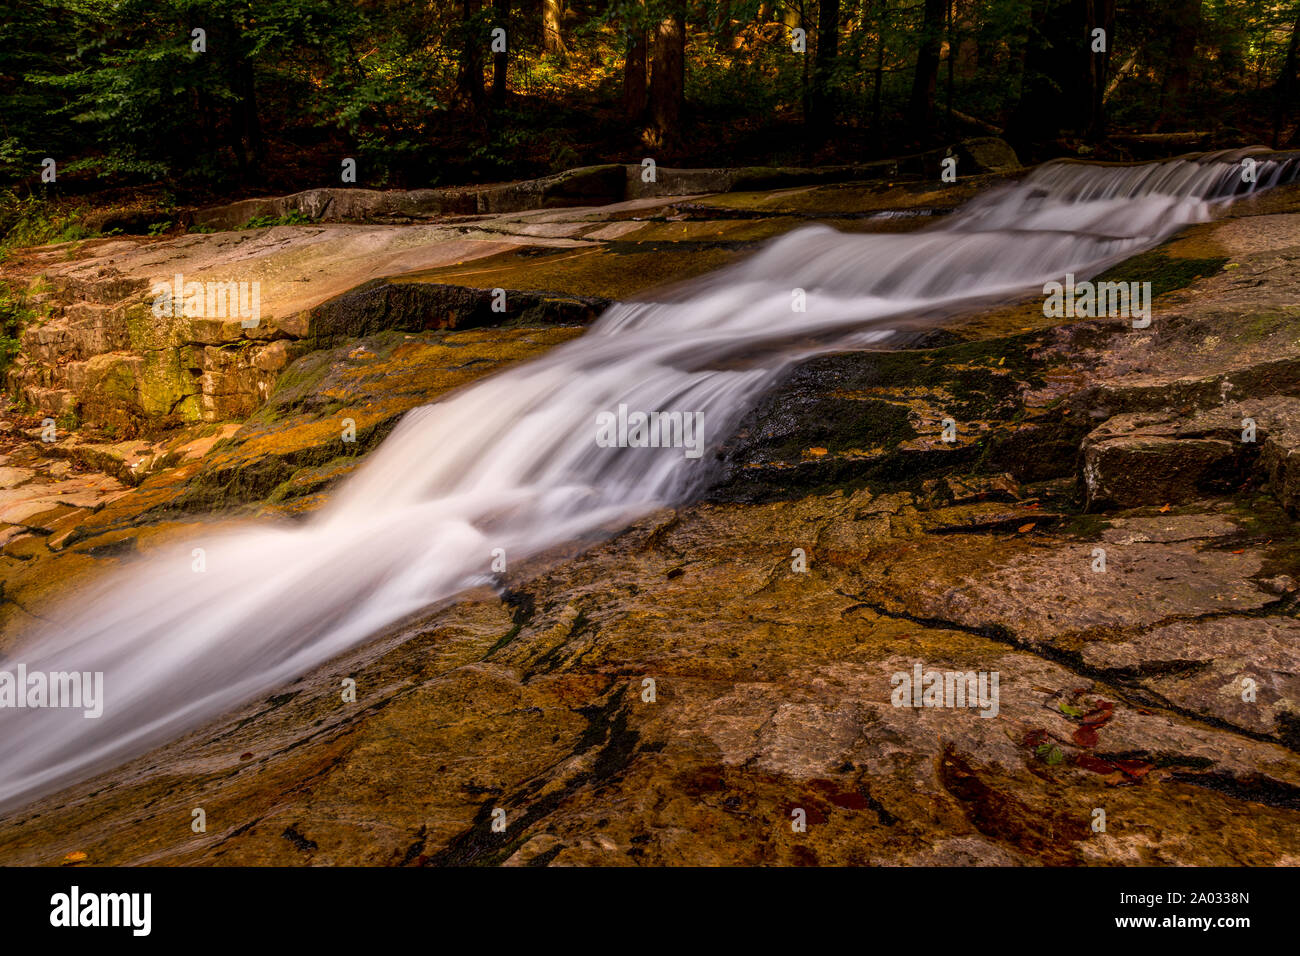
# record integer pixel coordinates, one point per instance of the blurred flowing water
(512, 461)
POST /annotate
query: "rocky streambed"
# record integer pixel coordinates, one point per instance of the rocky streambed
(681, 691)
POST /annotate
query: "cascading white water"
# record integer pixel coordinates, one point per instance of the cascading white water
(512, 462)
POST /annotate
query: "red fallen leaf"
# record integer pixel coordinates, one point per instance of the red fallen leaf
(1242, 551)
(1035, 737)
(1099, 715)
(246, 756)
(1085, 737)
(1136, 769)
(1095, 764)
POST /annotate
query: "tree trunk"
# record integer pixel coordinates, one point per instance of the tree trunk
(245, 132)
(828, 38)
(1057, 83)
(952, 49)
(635, 72)
(724, 34)
(926, 77)
(469, 80)
(1100, 15)
(877, 81)
(1284, 100)
(500, 60)
(1186, 17)
(668, 76)
(552, 41)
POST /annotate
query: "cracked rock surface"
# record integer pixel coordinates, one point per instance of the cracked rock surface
(1100, 537)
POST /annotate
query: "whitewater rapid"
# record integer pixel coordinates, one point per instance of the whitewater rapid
(513, 463)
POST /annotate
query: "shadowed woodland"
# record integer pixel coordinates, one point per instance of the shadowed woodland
(425, 94)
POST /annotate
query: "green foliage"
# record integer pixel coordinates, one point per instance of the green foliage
(30, 221)
(1050, 754)
(15, 313)
(291, 218)
(286, 88)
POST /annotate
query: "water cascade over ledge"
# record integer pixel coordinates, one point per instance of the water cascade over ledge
(513, 461)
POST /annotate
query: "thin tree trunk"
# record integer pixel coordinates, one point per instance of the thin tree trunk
(828, 37)
(668, 76)
(469, 80)
(1285, 98)
(878, 80)
(952, 49)
(724, 35)
(635, 72)
(1100, 15)
(245, 134)
(501, 59)
(926, 78)
(1182, 51)
(552, 41)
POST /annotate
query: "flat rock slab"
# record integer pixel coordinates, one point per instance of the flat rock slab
(773, 694)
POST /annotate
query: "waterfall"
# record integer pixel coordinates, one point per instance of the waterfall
(514, 461)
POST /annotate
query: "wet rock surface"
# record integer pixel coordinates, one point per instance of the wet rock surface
(100, 352)
(1096, 529)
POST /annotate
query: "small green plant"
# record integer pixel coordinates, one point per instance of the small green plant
(291, 218)
(35, 222)
(68, 421)
(14, 314)
(158, 228)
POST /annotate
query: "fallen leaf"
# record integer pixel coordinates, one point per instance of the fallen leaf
(1085, 737)
(1025, 527)
(76, 856)
(1069, 711)
(1165, 507)
(1098, 717)
(818, 452)
(1134, 769)
(1095, 764)
(1242, 551)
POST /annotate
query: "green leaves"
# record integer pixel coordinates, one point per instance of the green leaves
(1050, 754)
